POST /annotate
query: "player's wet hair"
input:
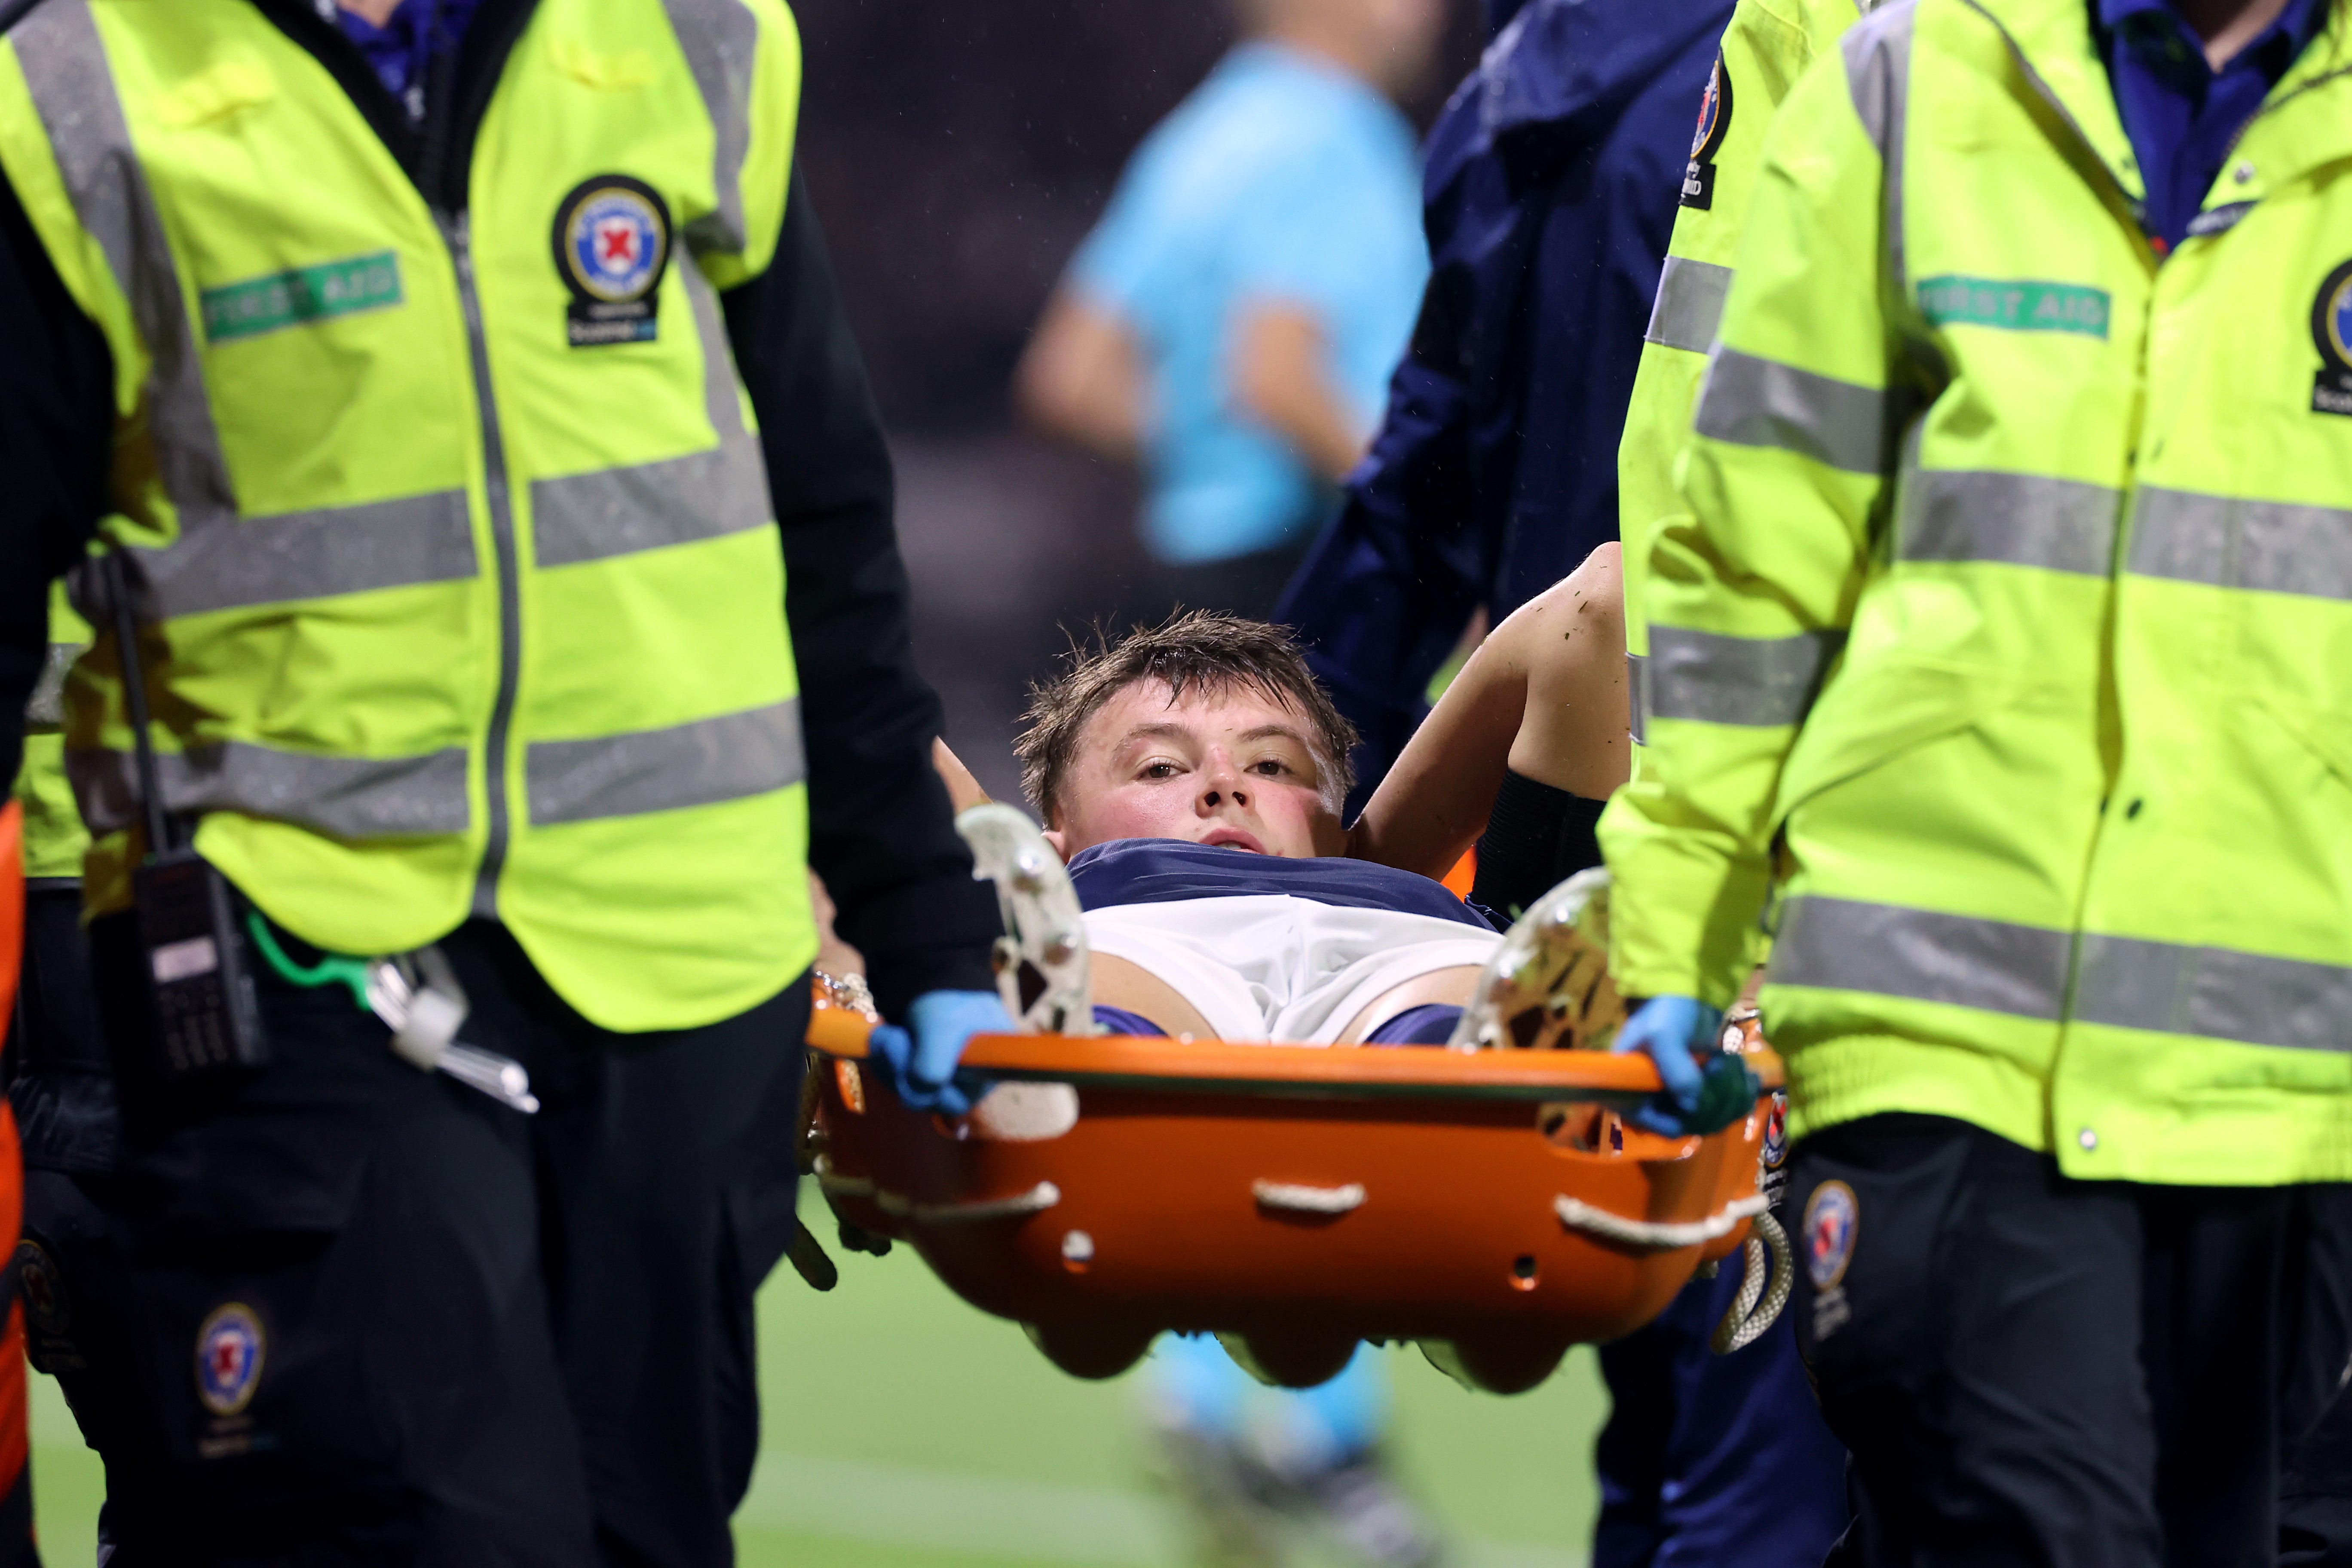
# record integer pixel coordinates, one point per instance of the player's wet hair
(1203, 652)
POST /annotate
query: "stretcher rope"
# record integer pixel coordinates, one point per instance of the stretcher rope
(1654, 1236)
(1309, 1200)
(1768, 1255)
(1036, 1200)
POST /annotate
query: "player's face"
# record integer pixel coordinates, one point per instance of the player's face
(1232, 768)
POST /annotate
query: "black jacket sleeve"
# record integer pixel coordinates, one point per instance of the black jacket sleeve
(880, 831)
(57, 433)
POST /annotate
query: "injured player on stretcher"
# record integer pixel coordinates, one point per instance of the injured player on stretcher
(1190, 775)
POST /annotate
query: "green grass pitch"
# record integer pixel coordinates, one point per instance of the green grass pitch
(904, 1429)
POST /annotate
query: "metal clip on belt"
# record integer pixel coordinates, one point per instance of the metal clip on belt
(419, 999)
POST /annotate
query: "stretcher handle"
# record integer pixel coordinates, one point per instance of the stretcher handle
(1212, 1066)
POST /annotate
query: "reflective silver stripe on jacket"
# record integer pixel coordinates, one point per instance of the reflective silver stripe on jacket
(2219, 993)
(313, 554)
(73, 91)
(2124, 983)
(2019, 520)
(1735, 681)
(720, 39)
(722, 490)
(2228, 542)
(47, 706)
(346, 797)
(1753, 402)
(703, 763)
(1840, 944)
(618, 511)
(1877, 52)
(1689, 304)
(722, 396)
(1637, 686)
(220, 561)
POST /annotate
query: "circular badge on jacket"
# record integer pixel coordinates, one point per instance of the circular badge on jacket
(1714, 121)
(2331, 334)
(1714, 114)
(1775, 1151)
(229, 1350)
(612, 241)
(1831, 1216)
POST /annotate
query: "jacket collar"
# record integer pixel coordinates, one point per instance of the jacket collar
(2306, 120)
(2053, 43)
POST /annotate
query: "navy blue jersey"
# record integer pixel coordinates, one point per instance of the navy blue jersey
(1549, 196)
(1163, 870)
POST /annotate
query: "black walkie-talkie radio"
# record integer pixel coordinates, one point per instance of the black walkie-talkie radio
(205, 1017)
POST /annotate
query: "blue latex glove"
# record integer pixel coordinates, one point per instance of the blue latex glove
(921, 1058)
(1706, 1091)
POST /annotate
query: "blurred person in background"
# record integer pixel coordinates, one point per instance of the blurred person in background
(1252, 1464)
(1551, 194)
(1231, 322)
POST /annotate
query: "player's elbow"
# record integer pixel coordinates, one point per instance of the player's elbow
(1600, 582)
(1588, 605)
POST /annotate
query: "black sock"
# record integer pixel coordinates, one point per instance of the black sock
(1536, 838)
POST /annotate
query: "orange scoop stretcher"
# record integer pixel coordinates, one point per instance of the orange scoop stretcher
(1492, 1205)
(12, 902)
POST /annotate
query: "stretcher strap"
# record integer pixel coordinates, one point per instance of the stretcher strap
(1652, 1235)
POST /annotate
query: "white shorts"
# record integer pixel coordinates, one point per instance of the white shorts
(1269, 966)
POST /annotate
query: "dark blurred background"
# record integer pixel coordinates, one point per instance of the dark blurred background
(957, 151)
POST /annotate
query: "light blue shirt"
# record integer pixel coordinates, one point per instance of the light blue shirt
(1281, 178)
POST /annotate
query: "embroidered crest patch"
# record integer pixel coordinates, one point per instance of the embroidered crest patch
(1775, 1132)
(230, 1349)
(2331, 333)
(1714, 121)
(612, 245)
(1831, 1216)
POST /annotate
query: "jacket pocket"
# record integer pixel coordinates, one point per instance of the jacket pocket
(2326, 736)
(1869, 717)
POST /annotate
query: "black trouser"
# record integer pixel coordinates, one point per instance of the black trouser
(2315, 1498)
(486, 1338)
(72, 1275)
(2029, 1370)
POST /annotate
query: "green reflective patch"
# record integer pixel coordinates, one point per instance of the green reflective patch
(2016, 305)
(261, 305)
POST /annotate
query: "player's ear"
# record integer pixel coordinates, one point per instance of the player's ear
(1052, 835)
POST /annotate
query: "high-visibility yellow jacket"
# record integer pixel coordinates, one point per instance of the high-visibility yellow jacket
(463, 596)
(1765, 50)
(55, 838)
(2002, 646)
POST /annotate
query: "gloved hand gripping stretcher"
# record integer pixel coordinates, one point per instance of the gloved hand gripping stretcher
(1492, 1205)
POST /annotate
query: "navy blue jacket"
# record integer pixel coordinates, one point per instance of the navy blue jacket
(1548, 197)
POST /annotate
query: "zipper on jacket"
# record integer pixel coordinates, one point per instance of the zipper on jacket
(456, 233)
